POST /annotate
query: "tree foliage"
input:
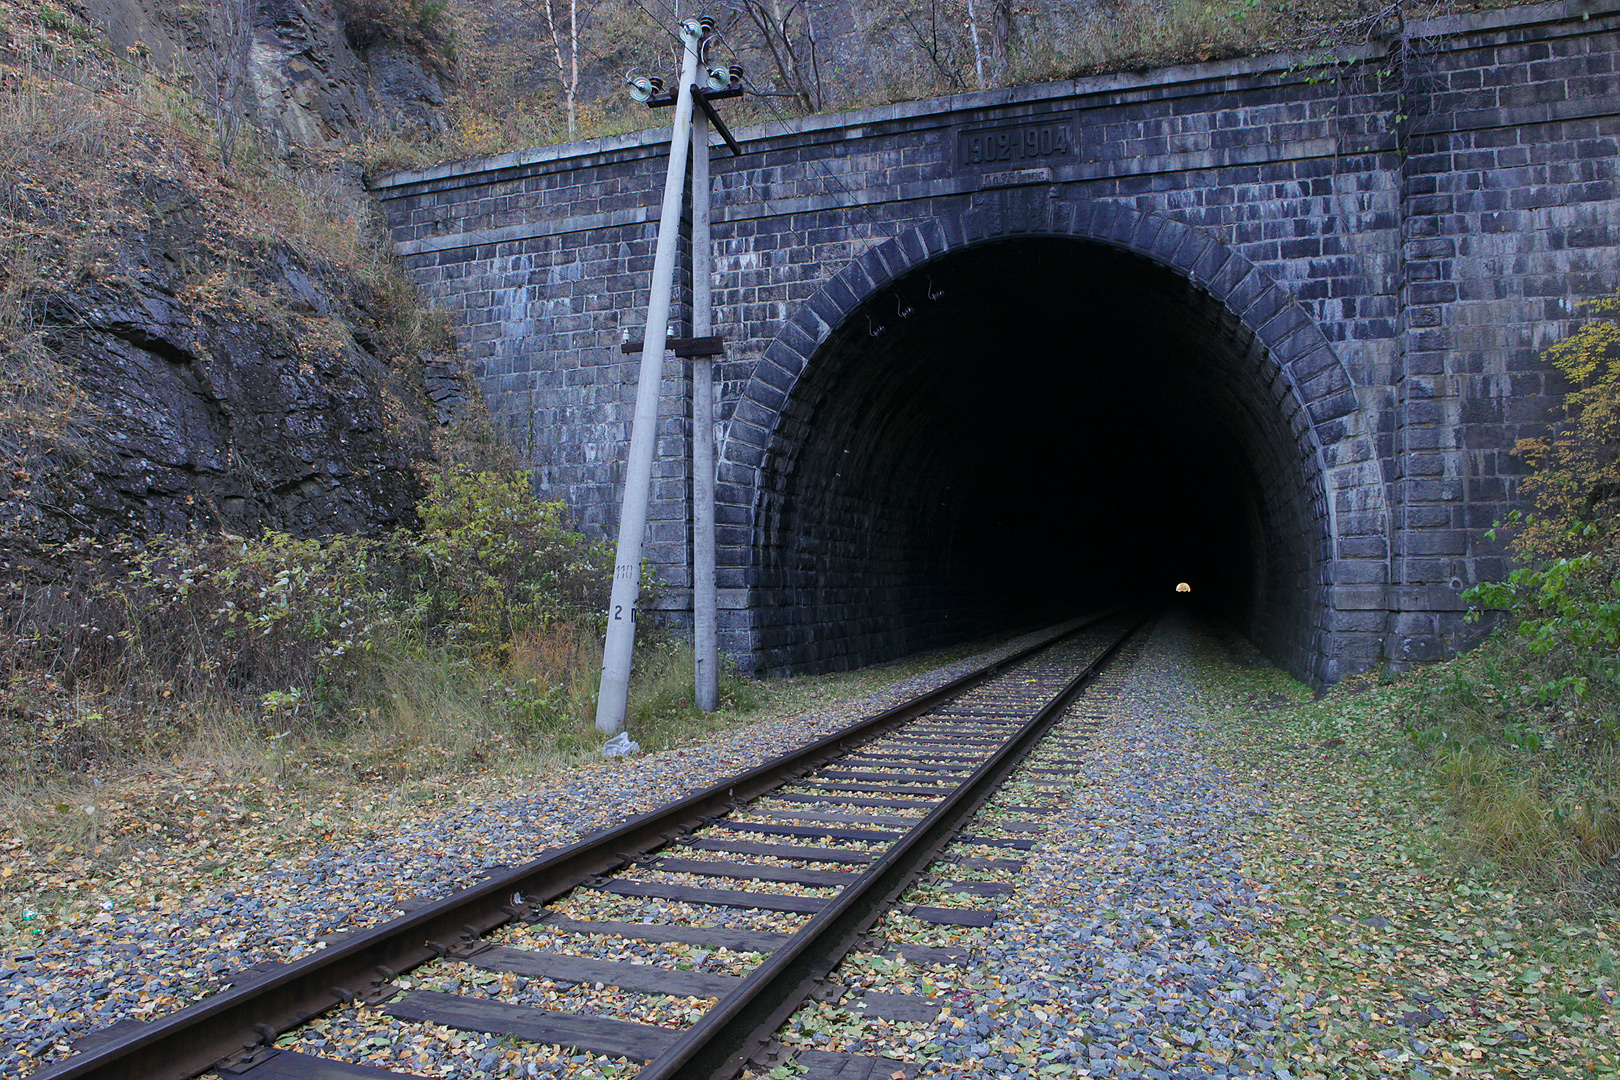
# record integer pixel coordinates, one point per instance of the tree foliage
(1576, 477)
(1565, 599)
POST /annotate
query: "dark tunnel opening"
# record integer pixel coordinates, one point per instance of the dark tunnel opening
(1022, 431)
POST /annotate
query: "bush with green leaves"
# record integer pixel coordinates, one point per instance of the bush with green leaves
(1566, 613)
(491, 561)
(1521, 735)
(300, 631)
(1563, 603)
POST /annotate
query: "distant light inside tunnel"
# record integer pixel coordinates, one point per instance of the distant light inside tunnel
(1183, 587)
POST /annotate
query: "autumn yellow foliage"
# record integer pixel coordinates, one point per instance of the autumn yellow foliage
(1576, 475)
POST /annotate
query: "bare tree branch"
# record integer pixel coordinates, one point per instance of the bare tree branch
(223, 74)
(793, 51)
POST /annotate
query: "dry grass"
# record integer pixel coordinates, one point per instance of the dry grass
(46, 125)
(1065, 43)
(1529, 820)
(236, 792)
(1533, 789)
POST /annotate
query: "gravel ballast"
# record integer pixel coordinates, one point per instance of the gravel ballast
(1113, 957)
(141, 962)
(1119, 930)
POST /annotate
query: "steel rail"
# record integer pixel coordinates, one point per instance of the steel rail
(719, 1045)
(195, 1038)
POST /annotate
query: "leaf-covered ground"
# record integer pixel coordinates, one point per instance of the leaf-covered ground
(156, 834)
(1413, 962)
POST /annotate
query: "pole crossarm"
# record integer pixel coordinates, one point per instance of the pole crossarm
(705, 101)
(684, 347)
(666, 99)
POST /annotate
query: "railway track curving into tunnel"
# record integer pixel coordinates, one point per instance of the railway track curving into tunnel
(835, 834)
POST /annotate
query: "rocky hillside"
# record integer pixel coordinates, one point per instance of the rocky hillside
(322, 72)
(185, 344)
(199, 324)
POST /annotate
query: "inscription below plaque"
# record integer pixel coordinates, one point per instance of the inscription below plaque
(1047, 141)
(1015, 177)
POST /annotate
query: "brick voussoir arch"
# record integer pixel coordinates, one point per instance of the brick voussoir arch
(1315, 391)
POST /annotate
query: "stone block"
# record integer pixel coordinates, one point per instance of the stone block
(1328, 231)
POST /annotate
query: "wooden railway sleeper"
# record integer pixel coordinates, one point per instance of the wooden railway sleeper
(640, 858)
(381, 987)
(731, 1032)
(381, 992)
(199, 1036)
(251, 1055)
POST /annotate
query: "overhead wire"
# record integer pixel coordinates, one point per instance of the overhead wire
(852, 205)
(786, 124)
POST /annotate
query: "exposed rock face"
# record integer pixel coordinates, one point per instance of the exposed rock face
(246, 403)
(319, 80)
(215, 355)
(318, 77)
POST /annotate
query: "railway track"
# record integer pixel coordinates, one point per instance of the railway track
(825, 839)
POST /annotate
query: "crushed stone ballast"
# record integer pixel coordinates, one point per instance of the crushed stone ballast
(824, 840)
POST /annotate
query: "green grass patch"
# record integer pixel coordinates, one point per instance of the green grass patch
(1400, 927)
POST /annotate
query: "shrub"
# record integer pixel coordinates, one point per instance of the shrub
(1575, 477)
(491, 562)
(1521, 735)
(302, 632)
(1565, 602)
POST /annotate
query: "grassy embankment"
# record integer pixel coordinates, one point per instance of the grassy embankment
(1444, 847)
(1440, 911)
(147, 832)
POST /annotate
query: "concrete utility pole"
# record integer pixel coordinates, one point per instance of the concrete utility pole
(613, 698)
(706, 664)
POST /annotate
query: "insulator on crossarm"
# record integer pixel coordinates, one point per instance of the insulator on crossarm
(642, 87)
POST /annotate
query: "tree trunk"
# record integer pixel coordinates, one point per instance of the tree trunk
(230, 45)
(1000, 35)
(573, 66)
(978, 54)
(564, 81)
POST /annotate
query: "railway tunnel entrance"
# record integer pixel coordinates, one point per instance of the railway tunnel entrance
(1022, 430)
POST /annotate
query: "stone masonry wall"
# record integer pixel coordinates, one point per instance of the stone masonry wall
(1398, 242)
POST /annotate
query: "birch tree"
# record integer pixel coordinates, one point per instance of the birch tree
(565, 56)
(978, 53)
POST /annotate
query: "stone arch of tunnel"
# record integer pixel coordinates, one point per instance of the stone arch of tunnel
(1021, 428)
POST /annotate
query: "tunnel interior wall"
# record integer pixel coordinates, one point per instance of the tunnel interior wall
(1027, 428)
